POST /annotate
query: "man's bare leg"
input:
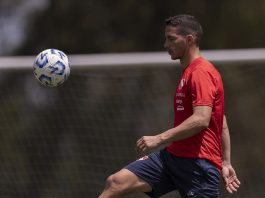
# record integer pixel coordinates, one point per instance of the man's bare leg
(122, 183)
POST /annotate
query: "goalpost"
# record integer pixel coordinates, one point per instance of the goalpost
(139, 59)
(63, 142)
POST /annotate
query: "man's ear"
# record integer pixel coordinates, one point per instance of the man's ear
(190, 39)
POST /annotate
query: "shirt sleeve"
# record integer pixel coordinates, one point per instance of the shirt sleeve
(203, 88)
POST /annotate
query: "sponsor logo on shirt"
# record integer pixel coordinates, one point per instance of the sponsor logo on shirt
(180, 95)
(178, 101)
(180, 108)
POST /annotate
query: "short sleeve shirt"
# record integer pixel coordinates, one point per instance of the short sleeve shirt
(200, 85)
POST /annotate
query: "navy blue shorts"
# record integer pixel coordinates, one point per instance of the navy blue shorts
(164, 172)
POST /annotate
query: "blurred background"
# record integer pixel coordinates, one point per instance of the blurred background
(63, 142)
(101, 26)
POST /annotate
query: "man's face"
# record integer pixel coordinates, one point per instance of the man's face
(175, 44)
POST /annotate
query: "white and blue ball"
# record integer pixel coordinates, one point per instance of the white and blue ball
(51, 67)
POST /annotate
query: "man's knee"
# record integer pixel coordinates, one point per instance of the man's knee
(124, 182)
(115, 184)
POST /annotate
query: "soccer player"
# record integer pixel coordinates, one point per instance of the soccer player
(196, 152)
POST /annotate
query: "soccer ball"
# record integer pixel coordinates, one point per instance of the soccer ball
(51, 67)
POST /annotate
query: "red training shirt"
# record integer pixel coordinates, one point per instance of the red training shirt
(200, 85)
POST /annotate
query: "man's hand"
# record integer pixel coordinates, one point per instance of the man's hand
(148, 143)
(229, 176)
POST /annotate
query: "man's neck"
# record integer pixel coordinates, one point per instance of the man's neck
(189, 57)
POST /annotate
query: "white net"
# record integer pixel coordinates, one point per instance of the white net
(65, 141)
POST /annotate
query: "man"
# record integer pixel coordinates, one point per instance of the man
(198, 147)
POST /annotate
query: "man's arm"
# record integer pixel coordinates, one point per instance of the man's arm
(198, 121)
(226, 148)
(228, 172)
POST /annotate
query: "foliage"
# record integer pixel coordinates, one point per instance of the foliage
(102, 26)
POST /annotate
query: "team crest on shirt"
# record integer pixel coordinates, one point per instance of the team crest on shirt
(182, 83)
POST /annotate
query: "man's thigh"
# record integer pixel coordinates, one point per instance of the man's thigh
(131, 182)
(153, 171)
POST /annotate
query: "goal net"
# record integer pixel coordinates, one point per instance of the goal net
(63, 142)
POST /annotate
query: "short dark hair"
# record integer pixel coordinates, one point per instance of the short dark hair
(186, 24)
